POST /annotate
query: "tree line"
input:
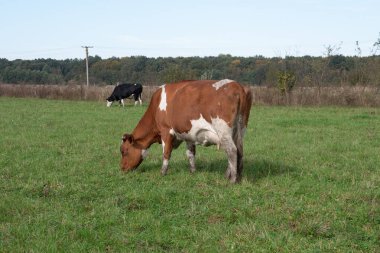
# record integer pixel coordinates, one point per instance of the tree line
(283, 72)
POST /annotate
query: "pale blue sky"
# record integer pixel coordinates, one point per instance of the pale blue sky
(57, 29)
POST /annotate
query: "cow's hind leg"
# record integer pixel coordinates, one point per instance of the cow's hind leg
(229, 147)
(137, 98)
(140, 100)
(239, 146)
(238, 140)
(190, 152)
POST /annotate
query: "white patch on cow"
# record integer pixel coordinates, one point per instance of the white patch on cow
(165, 165)
(203, 132)
(220, 83)
(144, 153)
(136, 103)
(207, 133)
(163, 146)
(109, 103)
(171, 131)
(189, 154)
(163, 103)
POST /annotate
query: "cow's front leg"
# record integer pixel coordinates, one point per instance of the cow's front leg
(122, 102)
(167, 147)
(190, 152)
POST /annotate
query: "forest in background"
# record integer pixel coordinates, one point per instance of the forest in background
(282, 72)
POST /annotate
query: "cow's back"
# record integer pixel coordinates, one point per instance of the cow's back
(124, 90)
(208, 99)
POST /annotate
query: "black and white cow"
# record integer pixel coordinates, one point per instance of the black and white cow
(126, 90)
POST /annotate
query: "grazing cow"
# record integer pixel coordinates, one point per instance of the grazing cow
(205, 112)
(125, 90)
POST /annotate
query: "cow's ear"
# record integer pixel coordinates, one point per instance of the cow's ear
(128, 137)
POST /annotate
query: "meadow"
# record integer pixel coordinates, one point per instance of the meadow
(311, 183)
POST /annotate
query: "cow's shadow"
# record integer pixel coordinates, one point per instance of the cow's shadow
(254, 169)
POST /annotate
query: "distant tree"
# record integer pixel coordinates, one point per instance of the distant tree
(358, 75)
(173, 74)
(259, 75)
(331, 69)
(376, 46)
(285, 83)
(340, 62)
(207, 75)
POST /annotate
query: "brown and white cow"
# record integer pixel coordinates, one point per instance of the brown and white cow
(205, 112)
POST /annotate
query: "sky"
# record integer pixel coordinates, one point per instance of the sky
(32, 29)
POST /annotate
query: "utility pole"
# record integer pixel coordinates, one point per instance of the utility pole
(86, 48)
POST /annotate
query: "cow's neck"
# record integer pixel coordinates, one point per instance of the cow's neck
(146, 133)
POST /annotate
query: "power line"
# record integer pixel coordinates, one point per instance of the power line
(86, 48)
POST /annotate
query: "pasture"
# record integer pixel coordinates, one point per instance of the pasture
(311, 183)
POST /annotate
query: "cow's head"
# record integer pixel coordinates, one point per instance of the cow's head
(131, 155)
(109, 103)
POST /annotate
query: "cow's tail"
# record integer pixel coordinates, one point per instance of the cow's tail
(246, 107)
(241, 122)
(245, 103)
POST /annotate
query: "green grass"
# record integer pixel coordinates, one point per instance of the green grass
(311, 184)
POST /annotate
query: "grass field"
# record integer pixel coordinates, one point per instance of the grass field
(311, 184)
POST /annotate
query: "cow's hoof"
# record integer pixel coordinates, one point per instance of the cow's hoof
(233, 180)
(228, 173)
